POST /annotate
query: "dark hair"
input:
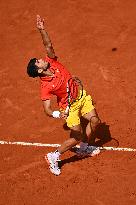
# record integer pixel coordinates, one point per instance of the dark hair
(32, 69)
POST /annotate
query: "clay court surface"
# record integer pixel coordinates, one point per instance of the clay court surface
(96, 41)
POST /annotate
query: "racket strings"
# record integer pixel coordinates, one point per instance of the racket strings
(74, 90)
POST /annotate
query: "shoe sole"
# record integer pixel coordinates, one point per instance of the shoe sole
(95, 152)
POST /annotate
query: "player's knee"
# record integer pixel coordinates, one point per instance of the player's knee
(95, 121)
(76, 135)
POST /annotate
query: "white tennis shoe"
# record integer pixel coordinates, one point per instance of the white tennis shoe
(53, 159)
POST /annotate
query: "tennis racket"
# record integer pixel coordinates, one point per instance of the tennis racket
(74, 92)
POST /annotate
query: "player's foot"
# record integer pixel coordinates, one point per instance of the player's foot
(53, 159)
(89, 151)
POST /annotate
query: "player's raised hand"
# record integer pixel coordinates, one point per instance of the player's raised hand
(40, 23)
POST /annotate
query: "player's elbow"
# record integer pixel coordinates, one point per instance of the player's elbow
(49, 45)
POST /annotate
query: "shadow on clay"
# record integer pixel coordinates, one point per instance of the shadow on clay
(102, 136)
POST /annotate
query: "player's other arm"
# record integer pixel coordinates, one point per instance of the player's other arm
(45, 37)
(50, 112)
(47, 107)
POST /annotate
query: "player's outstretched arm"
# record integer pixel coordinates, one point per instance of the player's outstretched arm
(45, 37)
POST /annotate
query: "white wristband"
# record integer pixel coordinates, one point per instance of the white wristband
(56, 114)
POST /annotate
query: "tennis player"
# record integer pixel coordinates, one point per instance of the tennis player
(54, 78)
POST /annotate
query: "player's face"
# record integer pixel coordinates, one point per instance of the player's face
(40, 63)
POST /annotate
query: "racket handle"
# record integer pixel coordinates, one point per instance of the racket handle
(67, 109)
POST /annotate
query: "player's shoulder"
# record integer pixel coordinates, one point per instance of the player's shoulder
(51, 60)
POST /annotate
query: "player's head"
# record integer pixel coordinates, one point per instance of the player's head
(37, 67)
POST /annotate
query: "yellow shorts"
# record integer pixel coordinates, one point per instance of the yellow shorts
(79, 108)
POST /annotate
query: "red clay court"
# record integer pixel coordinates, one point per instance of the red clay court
(96, 41)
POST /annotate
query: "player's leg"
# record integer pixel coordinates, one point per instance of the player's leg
(75, 138)
(88, 112)
(89, 148)
(93, 122)
(73, 122)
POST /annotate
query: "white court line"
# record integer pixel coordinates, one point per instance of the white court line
(58, 145)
